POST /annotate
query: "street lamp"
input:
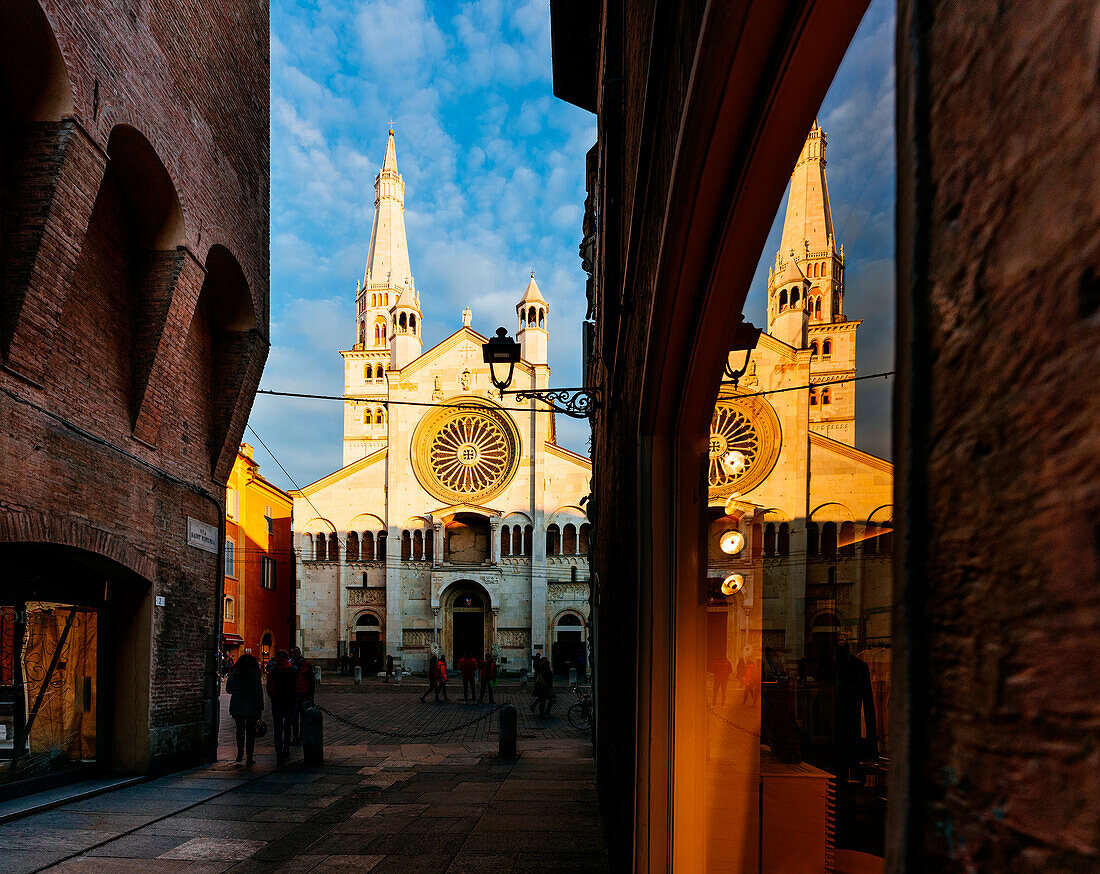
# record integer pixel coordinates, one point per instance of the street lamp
(745, 337)
(500, 350)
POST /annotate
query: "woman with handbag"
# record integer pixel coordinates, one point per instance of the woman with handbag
(246, 703)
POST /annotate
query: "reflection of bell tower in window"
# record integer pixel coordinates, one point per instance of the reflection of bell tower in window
(806, 291)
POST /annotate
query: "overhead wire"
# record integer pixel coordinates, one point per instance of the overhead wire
(386, 402)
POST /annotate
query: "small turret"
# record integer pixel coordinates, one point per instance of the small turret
(532, 335)
(405, 317)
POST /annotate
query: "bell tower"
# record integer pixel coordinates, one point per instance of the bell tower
(532, 334)
(386, 300)
(806, 294)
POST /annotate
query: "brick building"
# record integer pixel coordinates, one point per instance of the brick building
(258, 598)
(133, 330)
(702, 111)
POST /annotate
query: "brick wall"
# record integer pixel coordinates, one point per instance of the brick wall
(1000, 126)
(119, 392)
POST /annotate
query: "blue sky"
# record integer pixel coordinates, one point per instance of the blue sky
(494, 175)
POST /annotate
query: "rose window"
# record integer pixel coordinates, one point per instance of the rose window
(465, 453)
(744, 444)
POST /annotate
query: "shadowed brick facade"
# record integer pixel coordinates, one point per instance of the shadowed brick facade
(133, 331)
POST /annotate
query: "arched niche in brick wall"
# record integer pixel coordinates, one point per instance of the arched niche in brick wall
(225, 304)
(34, 82)
(35, 150)
(157, 220)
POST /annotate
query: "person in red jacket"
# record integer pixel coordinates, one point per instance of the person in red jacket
(303, 691)
(441, 679)
(467, 666)
(488, 668)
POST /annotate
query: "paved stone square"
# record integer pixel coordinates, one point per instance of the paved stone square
(444, 804)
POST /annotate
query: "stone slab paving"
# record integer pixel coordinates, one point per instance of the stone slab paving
(448, 804)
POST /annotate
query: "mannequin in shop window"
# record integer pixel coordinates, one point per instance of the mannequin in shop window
(855, 706)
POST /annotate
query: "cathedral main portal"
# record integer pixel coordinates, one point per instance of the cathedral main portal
(464, 624)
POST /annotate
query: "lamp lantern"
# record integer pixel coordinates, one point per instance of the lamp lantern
(732, 542)
(733, 584)
(500, 350)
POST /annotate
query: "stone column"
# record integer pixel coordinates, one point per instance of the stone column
(494, 538)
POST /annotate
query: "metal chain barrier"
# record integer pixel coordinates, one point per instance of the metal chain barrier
(402, 734)
(741, 728)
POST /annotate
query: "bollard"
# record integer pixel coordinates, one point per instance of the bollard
(313, 735)
(317, 675)
(507, 743)
(397, 675)
(572, 676)
(358, 675)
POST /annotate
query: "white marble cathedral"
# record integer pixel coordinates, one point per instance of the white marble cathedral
(815, 512)
(455, 524)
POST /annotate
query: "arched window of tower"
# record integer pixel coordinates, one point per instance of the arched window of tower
(352, 548)
(827, 348)
(783, 299)
(825, 396)
(813, 396)
(505, 541)
(794, 297)
(412, 323)
(367, 547)
(569, 539)
(528, 539)
(542, 318)
(769, 539)
(583, 534)
(406, 545)
(380, 546)
(418, 545)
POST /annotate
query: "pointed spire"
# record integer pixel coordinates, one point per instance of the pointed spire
(532, 293)
(808, 225)
(389, 163)
(388, 257)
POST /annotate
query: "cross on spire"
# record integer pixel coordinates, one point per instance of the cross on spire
(391, 127)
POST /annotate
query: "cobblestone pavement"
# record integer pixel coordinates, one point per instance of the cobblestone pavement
(449, 805)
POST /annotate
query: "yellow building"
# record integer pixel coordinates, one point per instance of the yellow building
(258, 598)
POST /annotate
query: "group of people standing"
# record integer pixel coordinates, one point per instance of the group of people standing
(748, 675)
(290, 686)
(471, 670)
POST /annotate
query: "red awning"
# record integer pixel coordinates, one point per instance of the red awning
(232, 640)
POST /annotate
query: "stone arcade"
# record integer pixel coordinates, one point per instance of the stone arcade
(456, 522)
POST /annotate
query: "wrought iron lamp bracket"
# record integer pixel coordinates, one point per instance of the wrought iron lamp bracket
(579, 403)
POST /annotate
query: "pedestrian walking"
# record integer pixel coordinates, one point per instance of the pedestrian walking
(282, 689)
(467, 667)
(303, 690)
(433, 679)
(721, 668)
(544, 687)
(246, 703)
(441, 679)
(751, 682)
(389, 668)
(582, 668)
(488, 671)
(345, 665)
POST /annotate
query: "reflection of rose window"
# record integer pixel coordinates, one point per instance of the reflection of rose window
(734, 446)
(470, 454)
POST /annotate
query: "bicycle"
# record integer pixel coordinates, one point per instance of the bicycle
(580, 714)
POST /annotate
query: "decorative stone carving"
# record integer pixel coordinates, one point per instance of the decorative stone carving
(437, 394)
(416, 638)
(567, 592)
(465, 380)
(363, 597)
(514, 637)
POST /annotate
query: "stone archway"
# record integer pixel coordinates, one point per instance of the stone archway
(467, 621)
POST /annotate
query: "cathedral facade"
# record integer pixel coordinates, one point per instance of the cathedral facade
(455, 525)
(815, 513)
